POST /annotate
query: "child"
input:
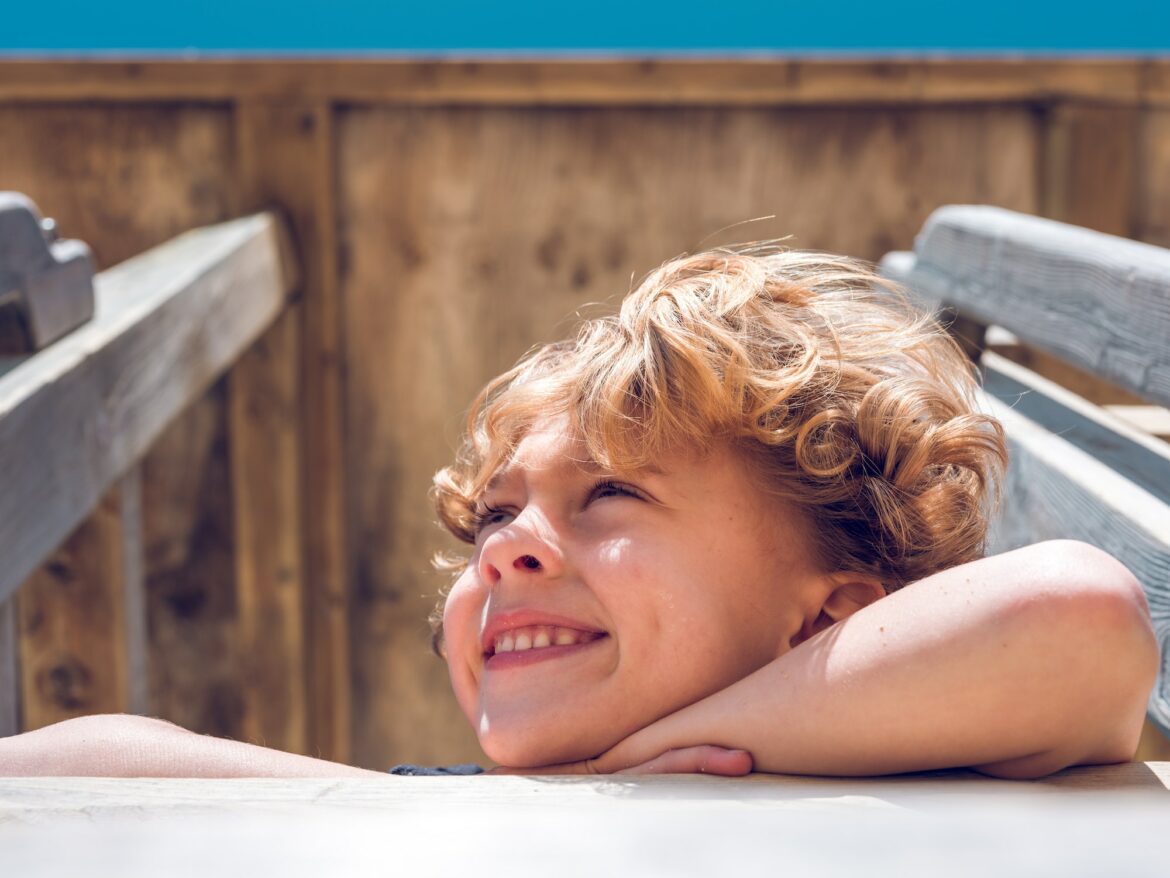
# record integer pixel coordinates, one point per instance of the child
(740, 524)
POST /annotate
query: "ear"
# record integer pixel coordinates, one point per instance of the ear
(844, 595)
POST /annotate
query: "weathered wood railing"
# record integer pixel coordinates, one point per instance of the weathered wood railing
(76, 419)
(1101, 303)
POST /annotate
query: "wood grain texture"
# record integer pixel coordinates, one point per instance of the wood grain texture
(1082, 382)
(195, 668)
(1156, 82)
(125, 178)
(36, 798)
(285, 158)
(1094, 821)
(1099, 301)
(189, 307)
(1091, 167)
(135, 642)
(264, 420)
(1087, 835)
(1153, 203)
(592, 82)
(81, 651)
(470, 235)
(1077, 473)
(121, 178)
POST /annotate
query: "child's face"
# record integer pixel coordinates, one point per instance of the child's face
(661, 588)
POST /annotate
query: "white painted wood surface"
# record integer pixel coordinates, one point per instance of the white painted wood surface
(1092, 821)
(1100, 301)
(75, 417)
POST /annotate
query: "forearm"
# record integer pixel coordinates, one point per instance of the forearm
(1020, 664)
(130, 746)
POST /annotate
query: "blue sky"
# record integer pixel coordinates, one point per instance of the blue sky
(344, 26)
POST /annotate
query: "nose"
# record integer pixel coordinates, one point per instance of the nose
(525, 548)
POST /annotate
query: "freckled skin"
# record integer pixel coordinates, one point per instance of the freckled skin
(697, 577)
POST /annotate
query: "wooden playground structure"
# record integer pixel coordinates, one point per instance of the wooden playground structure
(236, 450)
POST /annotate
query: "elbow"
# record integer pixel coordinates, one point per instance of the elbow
(1105, 641)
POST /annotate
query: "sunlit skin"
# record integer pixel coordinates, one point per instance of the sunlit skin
(686, 579)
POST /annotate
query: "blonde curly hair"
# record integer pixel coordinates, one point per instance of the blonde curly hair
(851, 404)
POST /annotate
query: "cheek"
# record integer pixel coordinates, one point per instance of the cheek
(461, 617)
(638, 584)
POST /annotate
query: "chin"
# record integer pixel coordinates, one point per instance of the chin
(532, 746)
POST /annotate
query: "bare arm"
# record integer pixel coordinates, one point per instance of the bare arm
(134, 746)
(1019, 665)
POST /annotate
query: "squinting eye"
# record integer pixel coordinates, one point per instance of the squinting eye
(486, 516)
(610, 488)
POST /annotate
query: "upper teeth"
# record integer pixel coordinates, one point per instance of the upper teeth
(540, 636)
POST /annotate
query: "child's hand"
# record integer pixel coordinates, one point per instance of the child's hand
(705, 759)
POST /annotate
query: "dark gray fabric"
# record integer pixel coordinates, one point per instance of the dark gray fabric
(440, 771)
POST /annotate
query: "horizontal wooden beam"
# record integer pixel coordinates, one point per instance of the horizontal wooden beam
(1077, 472)
(1099, 301)
(764, 81)
(76, 416)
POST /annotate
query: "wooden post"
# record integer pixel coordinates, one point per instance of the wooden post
(285, 159)
(82, 635)
(263, 419)
(9, 671)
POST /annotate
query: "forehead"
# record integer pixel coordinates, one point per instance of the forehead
(550, 446)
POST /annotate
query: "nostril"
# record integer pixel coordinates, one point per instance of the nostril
(528, 562)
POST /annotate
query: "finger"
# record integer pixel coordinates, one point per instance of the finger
(697, 760)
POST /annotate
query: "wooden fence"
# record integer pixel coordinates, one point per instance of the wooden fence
(448, 215)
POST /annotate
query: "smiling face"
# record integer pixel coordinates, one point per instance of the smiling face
(594, 605)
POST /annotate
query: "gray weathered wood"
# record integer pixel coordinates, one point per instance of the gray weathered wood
(1099, 301)
(1106, 820)
(1079, 473)
(76, 416)
(9, 670)
(134, 602)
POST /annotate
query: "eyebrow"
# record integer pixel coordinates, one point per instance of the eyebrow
(590, 467)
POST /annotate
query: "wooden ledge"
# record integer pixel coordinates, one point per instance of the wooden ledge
(1107, 820)
(77, 415)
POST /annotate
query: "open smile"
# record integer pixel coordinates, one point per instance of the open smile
(519, 639)
(528, 655)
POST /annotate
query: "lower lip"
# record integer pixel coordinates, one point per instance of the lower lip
(502, 661)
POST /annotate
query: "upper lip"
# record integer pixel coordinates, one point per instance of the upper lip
(498, 623)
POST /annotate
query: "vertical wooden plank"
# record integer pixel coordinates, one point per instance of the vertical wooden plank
(134, 594)
(190, 572)
(9, 670)
(1090, 174)
(285, 159)
(263, 418)
(299, 176)
(1154, 173)
(75, 651)
(470, 234)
